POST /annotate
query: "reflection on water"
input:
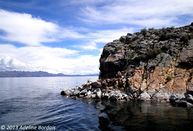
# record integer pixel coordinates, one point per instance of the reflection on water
(37, 101)
(150, 116)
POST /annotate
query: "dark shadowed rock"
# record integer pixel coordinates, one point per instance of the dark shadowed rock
(189, 98)
(63, 93)
(66, 93)
(105, 96)
(100, 106)
(113, 98)
(173, 99)
(96, 84)
(104, 121)
(183, 103)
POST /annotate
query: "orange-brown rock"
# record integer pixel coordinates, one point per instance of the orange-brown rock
(173, 80)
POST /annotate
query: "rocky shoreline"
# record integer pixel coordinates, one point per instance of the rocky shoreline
(115, 90)
(150, 65)
(109, 100)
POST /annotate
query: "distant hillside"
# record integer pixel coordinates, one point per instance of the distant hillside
(35, 74)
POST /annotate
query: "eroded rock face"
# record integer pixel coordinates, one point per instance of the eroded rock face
(152, 60)
(154, 64)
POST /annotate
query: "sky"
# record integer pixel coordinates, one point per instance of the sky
(68, 36)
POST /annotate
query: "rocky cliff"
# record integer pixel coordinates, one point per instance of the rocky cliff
(153, 64)
(153, 60)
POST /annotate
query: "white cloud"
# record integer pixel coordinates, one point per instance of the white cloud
(151, 13)
(33, 31)
(102, 36)
(8, 63)
(88, 46)
(41, 58)
(108, 35)
(29, 30)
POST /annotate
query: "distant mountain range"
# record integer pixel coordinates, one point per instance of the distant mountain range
(36, 74)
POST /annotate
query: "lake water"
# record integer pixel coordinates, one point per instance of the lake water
(37, 102)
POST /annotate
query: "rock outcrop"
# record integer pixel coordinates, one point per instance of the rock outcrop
(152, 61)
(149, 65)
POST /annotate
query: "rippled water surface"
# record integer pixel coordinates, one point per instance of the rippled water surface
(37, 101)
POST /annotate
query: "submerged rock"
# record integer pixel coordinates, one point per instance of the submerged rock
(183, 103)
(104, 121)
